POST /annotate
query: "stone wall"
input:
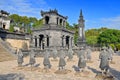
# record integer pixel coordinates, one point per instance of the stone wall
(16, 40)
(18, 43)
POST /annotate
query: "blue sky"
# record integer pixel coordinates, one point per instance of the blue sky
(97, 13)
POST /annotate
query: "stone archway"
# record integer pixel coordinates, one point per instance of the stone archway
(67, 41)
(4, 26)
(41, 41)
(61, 22)
(46, 19)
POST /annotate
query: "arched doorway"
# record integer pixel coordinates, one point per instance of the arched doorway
(4, 25)
(61, 22)
(67, 41)
(47, 41)
(46, 20)
(41, 41)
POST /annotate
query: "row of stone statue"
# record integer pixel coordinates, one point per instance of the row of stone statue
(83, 54)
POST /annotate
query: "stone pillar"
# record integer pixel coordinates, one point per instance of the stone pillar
(37, 41)
(45, 41)
(58, 21)
(50, 41)
(65, 24)
(62, 23)
(72, 43)
(64, 41)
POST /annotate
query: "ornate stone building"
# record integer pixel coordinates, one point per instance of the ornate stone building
(53, 33)
(4, 20)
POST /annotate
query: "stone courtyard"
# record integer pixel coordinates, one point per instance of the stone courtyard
(9, 70)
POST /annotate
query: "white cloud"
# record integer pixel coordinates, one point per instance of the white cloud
(113, 22)
(24, 7)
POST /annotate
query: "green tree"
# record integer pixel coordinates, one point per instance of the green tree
(91, 40)
(11, 29)
(15, 18)
(109, 36)
(38, 23)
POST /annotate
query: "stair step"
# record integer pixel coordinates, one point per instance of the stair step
(5, 55)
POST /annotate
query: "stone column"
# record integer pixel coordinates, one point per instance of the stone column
(58, 21)
(65, 24)
(64, 41)
(72, 41)
(62, 23)
(45, 40)
(37, 41)
(50, 41)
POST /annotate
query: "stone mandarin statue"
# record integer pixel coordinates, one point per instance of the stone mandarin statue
(62, 62)
(46, 61)
(82, 59)
(20, 57)
(32, 58)
(104, 60)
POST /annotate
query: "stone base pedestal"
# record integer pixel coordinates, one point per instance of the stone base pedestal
(81, 43)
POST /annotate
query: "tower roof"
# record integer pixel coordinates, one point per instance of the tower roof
(4, 12)
(81, 13)
(52, 12)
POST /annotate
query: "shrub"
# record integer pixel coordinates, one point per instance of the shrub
(118, 46)
(113, 46)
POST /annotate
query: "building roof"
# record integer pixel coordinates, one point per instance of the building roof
(4, 12)
(52, 12)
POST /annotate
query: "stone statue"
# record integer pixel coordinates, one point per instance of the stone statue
(110, 52)
(55, 52)
(32, 58)
(70, 54)
(88, 54)
(104, 60)
(62, 62)
(82, 59)
(20, 57)
(46, 61)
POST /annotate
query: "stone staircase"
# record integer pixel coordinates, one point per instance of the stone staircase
(5, 52)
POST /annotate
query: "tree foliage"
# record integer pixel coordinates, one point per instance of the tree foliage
(11, 28)
(24, 21)
(109, 36)
(91, 40)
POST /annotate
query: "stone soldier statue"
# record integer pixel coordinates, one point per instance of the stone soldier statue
(20, 57)
(104, 60)
(88, 54)
(82, 59)
(62, 62)
(46, 61)
(55, 52)
(110, 52)
(70, 54)
(32, 58)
